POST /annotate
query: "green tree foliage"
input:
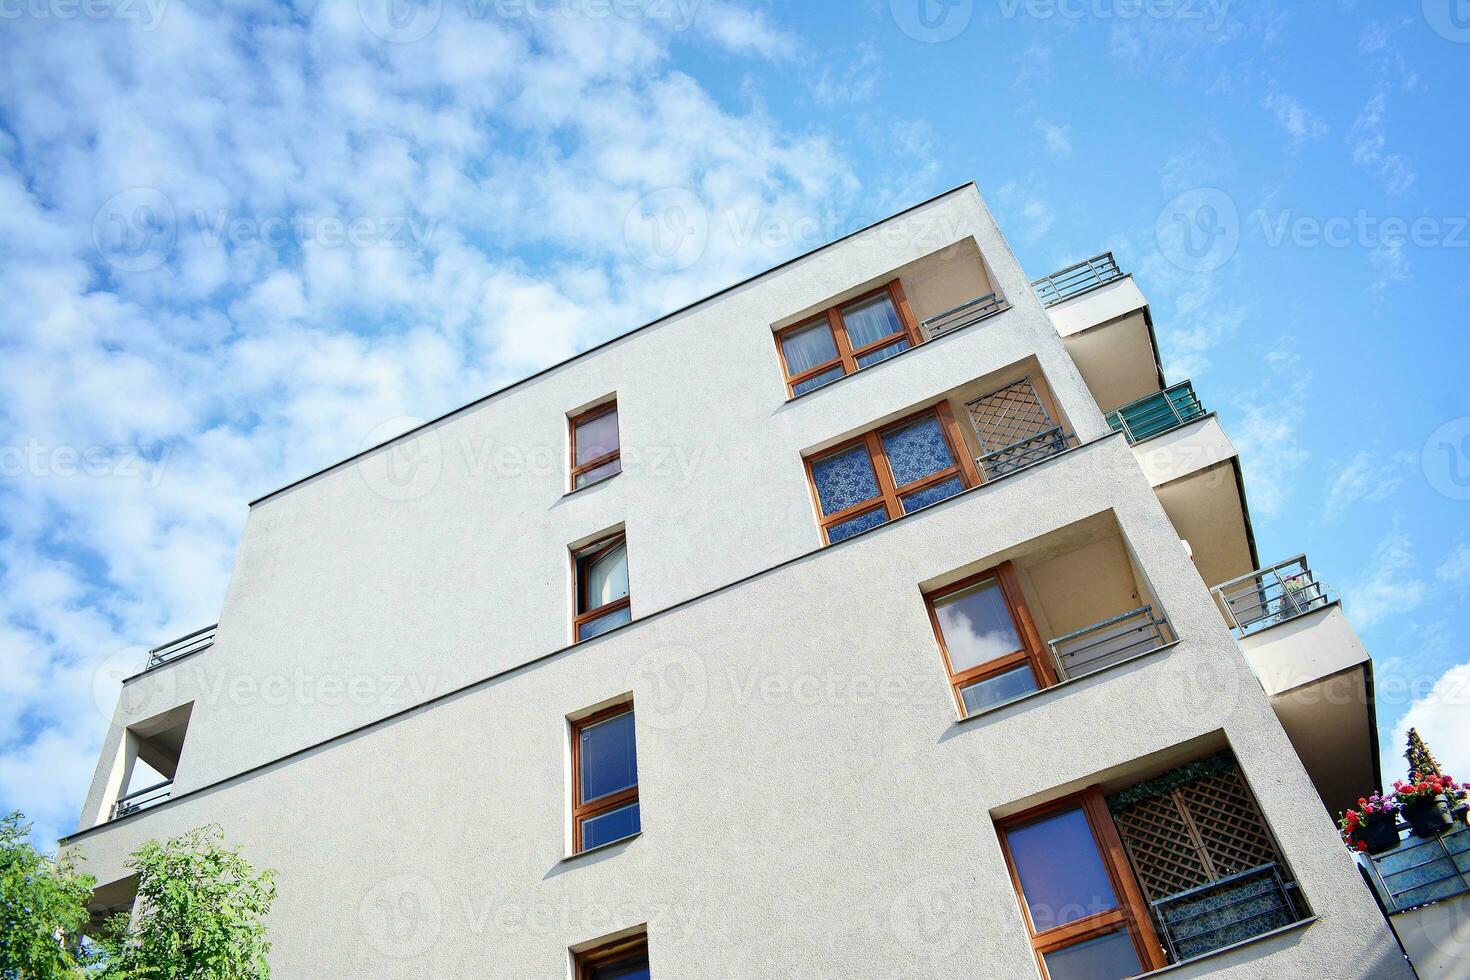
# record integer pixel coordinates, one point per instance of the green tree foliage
(43, 907)
(199, 915)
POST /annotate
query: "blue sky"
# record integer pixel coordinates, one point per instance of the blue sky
(241, 241)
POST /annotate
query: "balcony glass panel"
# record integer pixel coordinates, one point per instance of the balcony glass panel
(844, 479)
(1110, 957)
(1062, 875)
(1157, 413)
(916, 450)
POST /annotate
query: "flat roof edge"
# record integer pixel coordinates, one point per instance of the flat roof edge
(607, 343)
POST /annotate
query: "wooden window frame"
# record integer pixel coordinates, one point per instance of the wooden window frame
(582, 812)
(582, 557)
(889, 493)
(579, 419)
(1033, 652)
(610, 954)
(1132, 913)
(847, 357)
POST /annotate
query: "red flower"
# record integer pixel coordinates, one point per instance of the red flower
(1362, 845)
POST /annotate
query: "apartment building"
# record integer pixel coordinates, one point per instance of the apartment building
(885, 615)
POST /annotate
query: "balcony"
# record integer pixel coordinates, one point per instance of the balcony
(194, 642)
(1153, 415)
(1109, 642)
(1423, 884)
(1077, 279)
(1315, 671)
(142, 799)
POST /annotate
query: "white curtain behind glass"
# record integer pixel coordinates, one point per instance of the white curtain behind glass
(870, 321)
(808, 347)
(607, 577)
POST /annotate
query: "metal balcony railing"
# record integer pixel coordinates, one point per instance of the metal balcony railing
(1032, 449)
(1230, 910)
(1077, 279)
(1271, 595)
(963, 315)
(1158, 413)
(192, 643)
(142, 799)
(1111, 641)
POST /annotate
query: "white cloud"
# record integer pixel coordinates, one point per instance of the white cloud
(1392, 584)
(1369, 477)
(1058, 138)
(1454, 572)
(1267, 435)
(1369, 143)
(1299, 122)
(1025, 211)
(1442, 718)
(236, 366)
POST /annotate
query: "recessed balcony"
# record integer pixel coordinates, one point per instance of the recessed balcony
(1315, 671)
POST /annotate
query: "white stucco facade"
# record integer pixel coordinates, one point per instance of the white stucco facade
(383, 714)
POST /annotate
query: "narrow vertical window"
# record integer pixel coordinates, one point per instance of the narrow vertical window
(604, 779)
(596, 454)
(989, 644)
(602, 587)
(846, 339)
(625, 960)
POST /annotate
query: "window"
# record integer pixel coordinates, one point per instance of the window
(989, 643)
(623, 960)
(602, 587)
(889, 472)
(1084, 911)
(846, 339)
(604, 779)
(595, 450)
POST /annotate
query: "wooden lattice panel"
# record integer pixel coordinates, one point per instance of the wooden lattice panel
(1008, 416)
(1162, 848)
(1196, 833)
(1234, 835)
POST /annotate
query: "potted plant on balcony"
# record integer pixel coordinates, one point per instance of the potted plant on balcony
(1425, 801)
(1298, 595)
(1373, 826)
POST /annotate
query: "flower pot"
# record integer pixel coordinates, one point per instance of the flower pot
(1379, 831)
(1429, 816)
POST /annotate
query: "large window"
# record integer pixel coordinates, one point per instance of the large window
(889, 472)
(846, 339)
(989, 643)
(602, 587)
(1084, 911)
(604, 779)
(624, 960)
(596, 454)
